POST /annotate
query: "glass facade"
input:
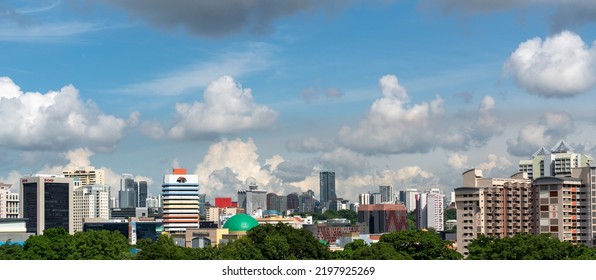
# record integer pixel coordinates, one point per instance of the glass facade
(56, 205)
(30, 206)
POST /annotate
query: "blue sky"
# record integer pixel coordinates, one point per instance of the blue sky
(407, 93)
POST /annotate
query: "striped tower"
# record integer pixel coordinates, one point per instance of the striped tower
(180, 201)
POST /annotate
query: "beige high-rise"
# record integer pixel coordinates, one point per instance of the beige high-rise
(498, 207)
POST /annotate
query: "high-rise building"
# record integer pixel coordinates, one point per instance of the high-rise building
(559, 160)
(141, 192)
(429, 210)
(386, 194)
(202, 204)
(327, 186)
(154, 201)
(180, 201)
(90, 201)
(9, 202)
(565, 206)
(408, 197)
(87, 175)
(127, 195)
(277, 202)
(253, 200)
(499, 207)
(364, 198)
(375, 198)
(307, 202)
(382, 218)
(293, 202)
(46, 201)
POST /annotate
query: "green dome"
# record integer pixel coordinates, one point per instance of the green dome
(240, 222)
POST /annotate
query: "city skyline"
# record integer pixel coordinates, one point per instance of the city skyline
(381, 93)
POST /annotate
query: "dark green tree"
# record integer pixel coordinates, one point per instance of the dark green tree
(53, 244)
(100, 245)
(411, 220)
(11, 251)
(242, 248)
(420, 245)
(301, 244)
(525, 246)
(164, 248)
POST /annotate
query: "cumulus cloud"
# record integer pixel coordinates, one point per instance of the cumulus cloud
(457, 161)
(494, 162)
(227, 108)
(307, 145)
(228, 164)
(560, 66)
(551, 127)
(213, 18)
(57, 120)
(392, 125)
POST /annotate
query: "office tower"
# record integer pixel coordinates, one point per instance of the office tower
(307, 202)
(202, 206)
(408, 197)
(364, 198)
(141, 193)
(386, 194)
(277, 202)
(375, 198)
(429, 210)
(46, 201)
(127, 195)
(327, 186)
(180, 201)
(565, 206)
(9, 202)
(499, 207)
(382, 218)
(87, 175)
(253, 200)
(293, 202)
(559, 160)
(90, 201)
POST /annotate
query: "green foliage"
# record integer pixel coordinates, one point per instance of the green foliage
(281, 242)
(11, 251)
(411, 220)
(163, 249)
(450, 214)
(359, 250)
(526, 247)
(57, 244)
(420, 245)
(241, 249)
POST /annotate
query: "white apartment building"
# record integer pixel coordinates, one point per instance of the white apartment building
(90, 201)
(498, 207)
(559, 160)
(9, 202)
(430, 210)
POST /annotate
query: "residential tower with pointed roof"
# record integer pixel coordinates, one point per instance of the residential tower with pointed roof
(557, 161)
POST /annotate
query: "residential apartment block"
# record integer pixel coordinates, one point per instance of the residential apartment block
(498, 207)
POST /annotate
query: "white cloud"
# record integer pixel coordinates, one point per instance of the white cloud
(227, 109)
(551, 127)
(152, 129)
(344, 162)
(457, 161)
(493, 162)
(392, 125)
(57, 120)
(560, 66)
